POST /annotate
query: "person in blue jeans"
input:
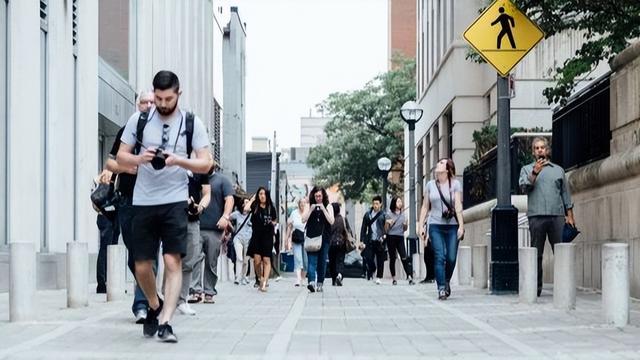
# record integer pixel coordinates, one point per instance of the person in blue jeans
(443, 203)
(319, 218)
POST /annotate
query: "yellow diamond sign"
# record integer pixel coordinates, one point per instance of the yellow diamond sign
(503, 35)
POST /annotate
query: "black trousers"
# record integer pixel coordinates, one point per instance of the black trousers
(109, 233)
(336, 261)
(542, 227)
(429, 261)
(374, 256)
(396, 246)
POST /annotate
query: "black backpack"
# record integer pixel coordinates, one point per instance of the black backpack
(142, 122)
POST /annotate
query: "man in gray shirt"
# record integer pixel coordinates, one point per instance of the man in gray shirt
(160, 194)
(549, 203)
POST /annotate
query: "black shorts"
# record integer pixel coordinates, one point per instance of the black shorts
(153, 223)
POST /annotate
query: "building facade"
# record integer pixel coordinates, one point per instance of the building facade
(63, 100)
(234, 162)
(402, 28)
(312, 130)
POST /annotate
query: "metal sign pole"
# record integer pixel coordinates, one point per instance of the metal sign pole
(504, 218)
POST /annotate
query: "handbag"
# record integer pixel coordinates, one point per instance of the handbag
(297, 237)
(104, 199)
(350, 242)
(569, 232)
(312, 244)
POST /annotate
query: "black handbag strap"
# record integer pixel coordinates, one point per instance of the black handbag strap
(240, 228)
(444, 201)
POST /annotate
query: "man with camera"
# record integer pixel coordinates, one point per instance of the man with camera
(160, 194)
(372, 235)
(549, 204)
(124, 191)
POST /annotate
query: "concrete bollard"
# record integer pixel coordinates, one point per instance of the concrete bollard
(464, 265)
(77, 274)
(116, 277)
(480, 267)
(564, 276)
(528, 275)
(615, 284)
(22, 281)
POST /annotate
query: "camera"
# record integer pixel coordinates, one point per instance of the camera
(448, 215)
(158, 162)
(192, 209)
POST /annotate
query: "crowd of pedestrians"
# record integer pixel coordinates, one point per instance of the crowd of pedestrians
(174, 206)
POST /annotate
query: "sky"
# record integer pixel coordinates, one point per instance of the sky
(300, 51)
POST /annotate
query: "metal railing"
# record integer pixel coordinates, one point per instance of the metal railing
(581, 129)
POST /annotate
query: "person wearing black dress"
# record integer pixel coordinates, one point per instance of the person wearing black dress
(319, 218)
(263, 221)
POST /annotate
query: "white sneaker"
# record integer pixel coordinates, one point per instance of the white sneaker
(185, 309)
(377, 281)
(278, 278)
(141, 316)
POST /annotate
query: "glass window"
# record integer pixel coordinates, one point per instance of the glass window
(113, 34)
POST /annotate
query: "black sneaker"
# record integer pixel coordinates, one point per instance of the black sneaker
(442, 295)
(165, 334)
(311, 287)
(150, 326)
(447, 289)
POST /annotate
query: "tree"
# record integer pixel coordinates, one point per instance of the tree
(608, 26)
(365, 126)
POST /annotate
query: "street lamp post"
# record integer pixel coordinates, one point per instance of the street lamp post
(384, 165)
(411, 114)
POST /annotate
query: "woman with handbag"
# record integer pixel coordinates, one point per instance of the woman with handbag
(319, 218)
(263, 219)
(443, 203)
(337, 248)
(395, 226)
(295, 237)
(241, 238)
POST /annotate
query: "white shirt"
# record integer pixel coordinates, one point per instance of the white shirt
(296, 220)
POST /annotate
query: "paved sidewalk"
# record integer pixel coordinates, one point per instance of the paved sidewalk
(359, 320)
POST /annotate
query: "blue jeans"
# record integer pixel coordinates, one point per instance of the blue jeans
(444, 239)
(300, 260)
(125, 214)
(318, 261)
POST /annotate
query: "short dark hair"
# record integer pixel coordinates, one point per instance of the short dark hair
(377, 198)
(165, 80)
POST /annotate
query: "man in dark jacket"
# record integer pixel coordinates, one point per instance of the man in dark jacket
(372, 235)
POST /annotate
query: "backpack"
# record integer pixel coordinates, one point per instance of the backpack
(142, 122)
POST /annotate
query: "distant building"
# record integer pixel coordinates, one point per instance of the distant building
(312, 131)
(233, 146)
(402, 28)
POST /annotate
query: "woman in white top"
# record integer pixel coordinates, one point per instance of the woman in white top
(443, 203)
(295, 241)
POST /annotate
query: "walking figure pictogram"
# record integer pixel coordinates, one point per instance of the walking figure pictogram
(507, 23)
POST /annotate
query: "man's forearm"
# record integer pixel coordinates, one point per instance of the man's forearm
(196, 166)
(126, 159)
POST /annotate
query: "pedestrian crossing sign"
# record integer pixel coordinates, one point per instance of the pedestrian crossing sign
(503, 35)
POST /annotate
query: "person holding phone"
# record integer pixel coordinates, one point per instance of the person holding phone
(549, 204)
(443, 203)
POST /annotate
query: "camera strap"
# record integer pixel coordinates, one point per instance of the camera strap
(444, 201)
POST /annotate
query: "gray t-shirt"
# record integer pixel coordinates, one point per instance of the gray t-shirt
(435, 215)
(221, 187)
(245, 232)
(397, 223)
(169, 184)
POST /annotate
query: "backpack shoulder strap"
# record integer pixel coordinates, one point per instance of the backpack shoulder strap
(142, 122)
(189, 129)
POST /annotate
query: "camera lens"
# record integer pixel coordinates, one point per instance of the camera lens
(158, 162)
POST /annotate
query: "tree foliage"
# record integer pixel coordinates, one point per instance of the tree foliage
(365, 126)
(608, 27)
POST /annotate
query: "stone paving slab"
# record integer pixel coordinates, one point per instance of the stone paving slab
(358, 321)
